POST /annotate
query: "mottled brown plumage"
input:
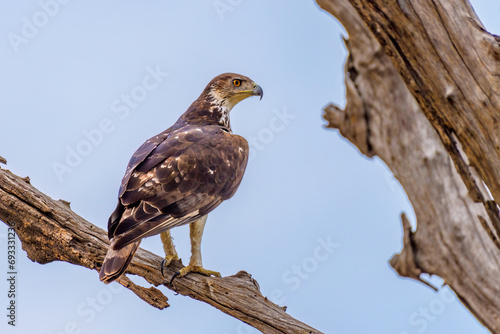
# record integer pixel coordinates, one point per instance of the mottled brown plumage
(181, 174)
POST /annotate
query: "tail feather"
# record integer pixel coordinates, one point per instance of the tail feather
(117, 261)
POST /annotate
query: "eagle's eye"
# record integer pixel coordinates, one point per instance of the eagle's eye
(236, 82)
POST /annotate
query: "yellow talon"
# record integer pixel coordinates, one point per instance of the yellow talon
(166, 262)
(194, 269)
(169, 258)
(197, 269)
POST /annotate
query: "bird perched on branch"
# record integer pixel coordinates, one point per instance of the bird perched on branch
(180, 175)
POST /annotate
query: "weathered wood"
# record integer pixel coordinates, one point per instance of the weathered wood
(451, 64)
(457, 223)
(50, 231)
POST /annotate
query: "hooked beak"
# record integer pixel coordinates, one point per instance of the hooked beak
(257, 90)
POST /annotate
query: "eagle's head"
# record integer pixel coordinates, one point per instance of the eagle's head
(218, 98)
(227, 89)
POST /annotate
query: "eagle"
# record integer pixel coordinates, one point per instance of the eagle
(179, 176)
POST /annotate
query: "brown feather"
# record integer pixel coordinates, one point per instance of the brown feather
(116, 261)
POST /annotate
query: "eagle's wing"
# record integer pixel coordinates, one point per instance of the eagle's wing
(185, 176)
(140, 155)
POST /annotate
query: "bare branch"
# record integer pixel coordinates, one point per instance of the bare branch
(50, 231)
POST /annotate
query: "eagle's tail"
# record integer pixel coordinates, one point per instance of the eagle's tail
(116, 261)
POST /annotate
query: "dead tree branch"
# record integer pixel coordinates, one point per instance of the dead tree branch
(449, 63)
(50, 231)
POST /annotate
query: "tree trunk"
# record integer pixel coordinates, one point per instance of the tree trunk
(426, 102)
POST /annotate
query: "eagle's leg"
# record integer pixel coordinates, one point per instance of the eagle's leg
(195, 233)
(169, 248)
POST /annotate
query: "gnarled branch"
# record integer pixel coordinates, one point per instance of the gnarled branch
(457, 230)
(50, 231)
(451, 65)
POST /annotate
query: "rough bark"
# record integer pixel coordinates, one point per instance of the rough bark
(451, 64)
(436, 143)
(50, 231)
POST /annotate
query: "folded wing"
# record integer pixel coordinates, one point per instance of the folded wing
(183, 175)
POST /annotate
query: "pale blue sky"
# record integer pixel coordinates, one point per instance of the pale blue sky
(305, 186)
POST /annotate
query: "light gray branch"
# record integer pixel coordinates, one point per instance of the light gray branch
(50, 231)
